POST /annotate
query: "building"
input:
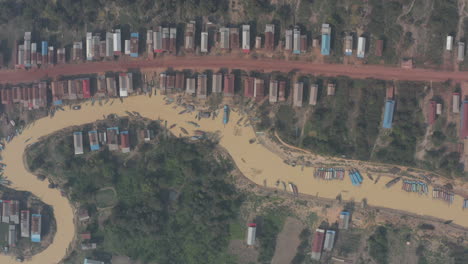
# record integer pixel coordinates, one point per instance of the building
(461, 51)
(6, 211)
(217, 83)
(296, 41)
(21, 56)
(388, 114)
(438, 109)
(179, 81)
(270, 37)
(127, 49)
(165, 39)
(85, 236)
(96, 47)
(117, 42)
(224, 38)
(449, 45)
(172, 40)
(111, 87)
(90, 261)
(456, 103)
(229, 85)
(201, 85)
(326, 35)
(109, 44)
(78, 142)
(390, 91)
(157, 40)
(89, 46)
(361, 51)
(51, 55)
(44, 52)
(303, 43)
(189, 37)
(14, 212)
(36, 228)
(251, 230)
(190, 86)
(33, 54)
(77, 52)
(134, 39)
(343, 223)
(83, 215)
(331, 87)
(379, 48)
(25, 223)
(348, 45)
(113, 138)
(246, 38)
(204, 42)
(464, 120)
(124, 142)
(282, 91)
(317, 244)
(249, 86)
(27, 49)
(431, 113)
(313, 94)
(329, 240)
(86, 88)
(125, 84)
(288, 43)
(12, 236)
(149, 43)
(234, 38)
(259, 89)
(298, 93)
(258, 43)
(170, 83)
(61, 56)
(88, 246)
(273, 95)
(93, 140)
(101, 90)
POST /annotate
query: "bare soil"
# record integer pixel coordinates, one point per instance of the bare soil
(288, 241)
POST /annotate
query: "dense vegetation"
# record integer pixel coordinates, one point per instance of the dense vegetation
(175, 200)
(378, 245)
(270, 223)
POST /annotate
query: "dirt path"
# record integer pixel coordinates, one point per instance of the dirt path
(215, 63)
(255, 161)
(288, 241)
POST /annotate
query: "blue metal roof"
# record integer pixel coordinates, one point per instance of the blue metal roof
(388, 115)
(134, 35)
(325, 44)
(44, 48)
(134, 55)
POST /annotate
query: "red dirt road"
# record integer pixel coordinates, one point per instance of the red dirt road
(216, 62)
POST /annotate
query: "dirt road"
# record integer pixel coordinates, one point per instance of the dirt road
(216, 62)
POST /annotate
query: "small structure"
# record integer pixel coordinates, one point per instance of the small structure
(109, 44)
(189, 37)
(259, 89)
(317, 244)
(93, 140)
(298, 93)
(117, 42)
(25, 220)
(344, 220)
(83, 214)
(348, 45)
(224, 38)
(361, 47)
(124, 142)
(269, 37)
(258, 42)
(379, 48)
(14, 212)
(190, 86)
(134, 38)
(6, 211)
(297, 41)
(36, 222)
(331, 87)
(77, 51)
(249, 86)
(388, 114)
(204, 42)
(313, 94)
(113, 138)
(229, 85)
(456, 103)
(90, 261)
(89, 46)
(439, 109)
(461, 51)
(326, 33)
(172, 40)
(390, 91)
(449, 45)
(217, 83)
(432, 112)
(282, 91)
(329, 240)
(88, 246)
(157, 40)
(127, 47)
(288, 44)
(85, 236)
(234, 38)
(78, 142)
(273, 96)
(202, 89)
(251, 229)
(165, 39)
(407, 63)
(246, 38)
(12, 235)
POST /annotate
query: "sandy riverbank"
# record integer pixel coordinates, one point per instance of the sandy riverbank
(254, 161)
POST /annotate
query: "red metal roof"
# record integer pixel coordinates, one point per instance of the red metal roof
(229, 85)
(317, 243)
(86, 89)
(124, 141)
(269, 41)
(432, 112)
(379, 48)
(249, 87)
(252, 225)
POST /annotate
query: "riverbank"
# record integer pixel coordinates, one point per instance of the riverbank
(256, 162)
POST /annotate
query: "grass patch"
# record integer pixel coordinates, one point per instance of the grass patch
(3, 234)
(106, 198)
(236, 231)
